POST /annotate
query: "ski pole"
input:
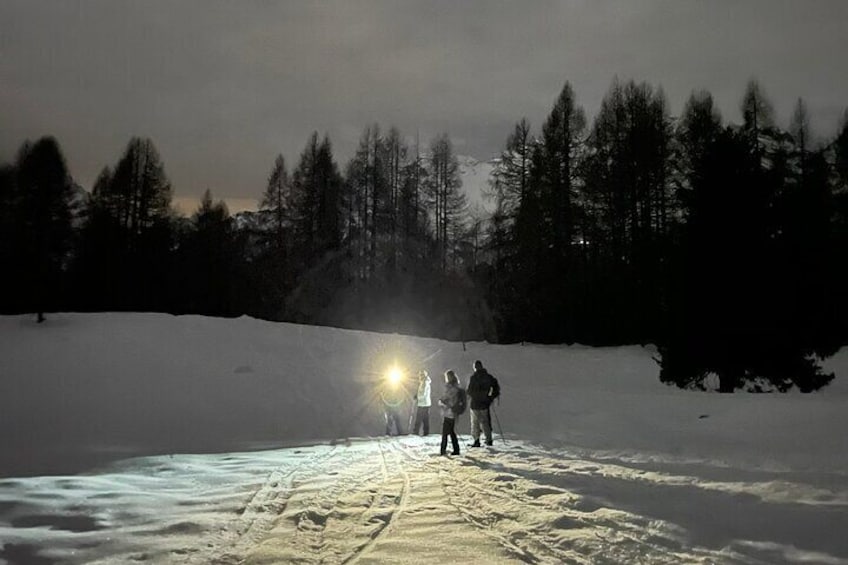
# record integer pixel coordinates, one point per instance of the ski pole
(498, 422)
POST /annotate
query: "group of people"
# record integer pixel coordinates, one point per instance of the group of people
(482, 390)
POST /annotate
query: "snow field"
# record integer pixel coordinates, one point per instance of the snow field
(145, 438)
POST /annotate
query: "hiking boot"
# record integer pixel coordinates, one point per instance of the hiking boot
(475, 444)
(488, 442)
(455, 453)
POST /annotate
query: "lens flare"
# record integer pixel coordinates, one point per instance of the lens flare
(395, 375)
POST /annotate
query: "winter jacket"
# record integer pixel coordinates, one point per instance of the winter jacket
(448, 401)
(423, 394)
(483, 388)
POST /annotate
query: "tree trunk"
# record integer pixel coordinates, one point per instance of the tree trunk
(727, 383)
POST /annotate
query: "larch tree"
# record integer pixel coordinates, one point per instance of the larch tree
(448, 202)
(757, 114)
(44, 190)
(277, 199)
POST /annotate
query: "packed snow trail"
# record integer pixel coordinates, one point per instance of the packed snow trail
(379, 504)
(384, 500)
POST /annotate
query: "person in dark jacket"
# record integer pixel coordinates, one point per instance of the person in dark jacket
(393, 399)
(448, 404)
(483, 388)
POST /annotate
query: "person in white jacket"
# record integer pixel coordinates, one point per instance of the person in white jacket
(422, 402)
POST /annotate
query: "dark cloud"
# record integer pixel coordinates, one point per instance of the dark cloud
(222, 87)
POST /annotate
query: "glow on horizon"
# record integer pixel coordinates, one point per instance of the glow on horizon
(188, 205)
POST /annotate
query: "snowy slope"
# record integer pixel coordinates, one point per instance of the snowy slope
(475, 183)
(177, 425)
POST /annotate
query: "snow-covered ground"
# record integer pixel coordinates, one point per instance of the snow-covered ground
(151, 438)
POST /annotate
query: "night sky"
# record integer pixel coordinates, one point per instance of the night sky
(223, 87)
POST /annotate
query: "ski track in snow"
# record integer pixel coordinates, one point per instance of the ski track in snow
(400, 507)
(370, 500)
(269, 501)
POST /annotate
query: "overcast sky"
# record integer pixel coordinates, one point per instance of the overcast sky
(223, 87)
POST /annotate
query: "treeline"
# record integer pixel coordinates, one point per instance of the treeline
(722, 243)
(382, 245)
(725, 244)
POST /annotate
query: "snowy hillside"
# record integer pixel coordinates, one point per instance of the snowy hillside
(475, 182)
(147, 437)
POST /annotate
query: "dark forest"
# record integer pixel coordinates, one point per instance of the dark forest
(723, 244)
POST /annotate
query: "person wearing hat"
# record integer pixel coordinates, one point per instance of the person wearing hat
(422, 402)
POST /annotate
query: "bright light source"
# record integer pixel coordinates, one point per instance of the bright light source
(395, 375)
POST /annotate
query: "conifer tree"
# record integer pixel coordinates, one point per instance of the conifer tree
(44, 192)
(561, 143)
(626, 205)
(139, 191)
(511, 177)
(209, 259)
(316, 187)
(130, 233)
(839, 191)
(510, 182)
(697, 129)
(449, 205)
(277, 199)
(757, 115)
(10, 238)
